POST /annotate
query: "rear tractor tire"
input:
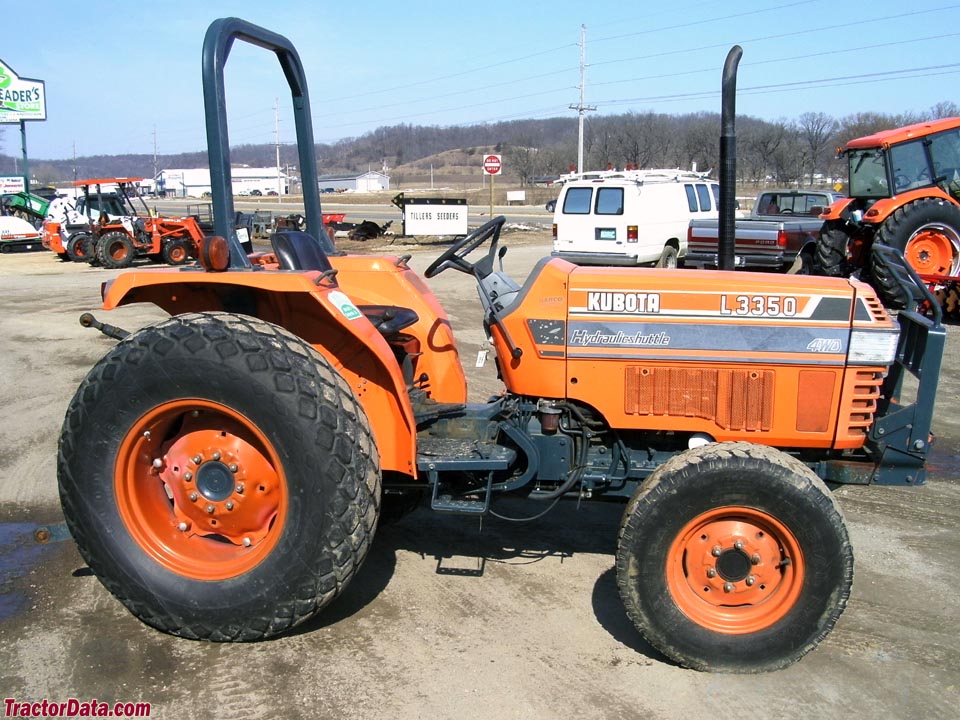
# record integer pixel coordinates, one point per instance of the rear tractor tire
(115, 250)
(230, 500)
(949, 298)
(734, 557)
(927, 232)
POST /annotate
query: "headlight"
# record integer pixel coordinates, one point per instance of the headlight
(873, 347)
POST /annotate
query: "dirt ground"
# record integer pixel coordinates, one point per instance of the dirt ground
(536, 631)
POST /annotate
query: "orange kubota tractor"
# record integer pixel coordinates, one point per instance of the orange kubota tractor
(315, 393)
(904, 192)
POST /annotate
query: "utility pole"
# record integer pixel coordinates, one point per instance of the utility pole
(276, 111)
(155, 166)
(75, 162)
(580, 107)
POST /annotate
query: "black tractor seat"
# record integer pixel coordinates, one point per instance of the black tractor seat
(297, 250)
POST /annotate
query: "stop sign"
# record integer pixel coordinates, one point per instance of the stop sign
(492, 165)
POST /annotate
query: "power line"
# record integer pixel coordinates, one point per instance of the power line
(822, 82)
(764, 38)
(690, 23)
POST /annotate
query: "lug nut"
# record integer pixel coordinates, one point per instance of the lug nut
(711, 573)
(728, 587)
(216, 455)
(738, 545)
(239, 489)
(157, 463)
(210, 509)
(197, 459)
(188, 476)
(751, 580)
(246, 542)
(195, 413)
(229, 505)
(183, 527)
(755, 559)
(234, 467)
(717, 550)
(193, 497)
(146, 434)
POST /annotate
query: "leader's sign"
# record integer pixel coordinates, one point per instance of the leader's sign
(20, 98)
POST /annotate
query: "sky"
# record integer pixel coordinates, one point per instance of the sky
(124, 77)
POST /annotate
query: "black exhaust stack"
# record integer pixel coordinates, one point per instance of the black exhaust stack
(728, 160)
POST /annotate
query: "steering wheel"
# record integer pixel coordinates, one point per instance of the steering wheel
(786, 211)
(455, 255)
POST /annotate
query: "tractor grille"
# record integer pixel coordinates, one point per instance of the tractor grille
(733, 399)
(875, 308)
(863, 403)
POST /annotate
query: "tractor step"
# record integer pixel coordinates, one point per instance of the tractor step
(442, 454)
(436, 455)
(447, 503)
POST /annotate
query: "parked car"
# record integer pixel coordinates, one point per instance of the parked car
(638, 217)
(779, 235)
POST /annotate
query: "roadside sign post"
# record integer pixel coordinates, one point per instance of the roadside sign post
(21, 99)
(492, 166)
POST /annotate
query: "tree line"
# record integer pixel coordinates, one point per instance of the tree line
(781, 151)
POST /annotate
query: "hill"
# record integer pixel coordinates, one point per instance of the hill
(782, 151)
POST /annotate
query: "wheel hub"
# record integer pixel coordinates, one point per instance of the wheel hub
(735, 570)
(733, 565)
(204, 472)
(215, 481)
(933, 250)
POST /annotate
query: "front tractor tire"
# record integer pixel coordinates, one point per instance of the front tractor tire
(927, 232)
(734, 557)
(833, 247)
(115, 250)
(80, 247)
(176, 251)
(219, 477)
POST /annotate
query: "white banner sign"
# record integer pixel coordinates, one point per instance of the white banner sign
(12, 184)
(20, 98)
(435, 219)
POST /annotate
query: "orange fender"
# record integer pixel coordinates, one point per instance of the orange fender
(835, 211)
(322, 315)
(882, 209)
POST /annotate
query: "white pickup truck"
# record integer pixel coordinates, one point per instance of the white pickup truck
(780, 234)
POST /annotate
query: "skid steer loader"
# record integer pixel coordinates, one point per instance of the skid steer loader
(236, 496)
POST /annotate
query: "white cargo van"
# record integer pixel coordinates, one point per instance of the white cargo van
(634, 217)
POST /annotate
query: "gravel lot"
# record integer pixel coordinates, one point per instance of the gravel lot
(540, 633)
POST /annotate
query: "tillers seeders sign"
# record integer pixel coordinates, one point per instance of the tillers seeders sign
(20, 98)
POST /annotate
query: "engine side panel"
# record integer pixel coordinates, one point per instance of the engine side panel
(737, 356)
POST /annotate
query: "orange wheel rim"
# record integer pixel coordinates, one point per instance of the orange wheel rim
(932, 251)
(735, 570)
(178, 254)
(200, 489)
(118, 251)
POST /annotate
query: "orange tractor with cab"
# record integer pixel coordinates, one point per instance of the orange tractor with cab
(316, 393)
(904, 192)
